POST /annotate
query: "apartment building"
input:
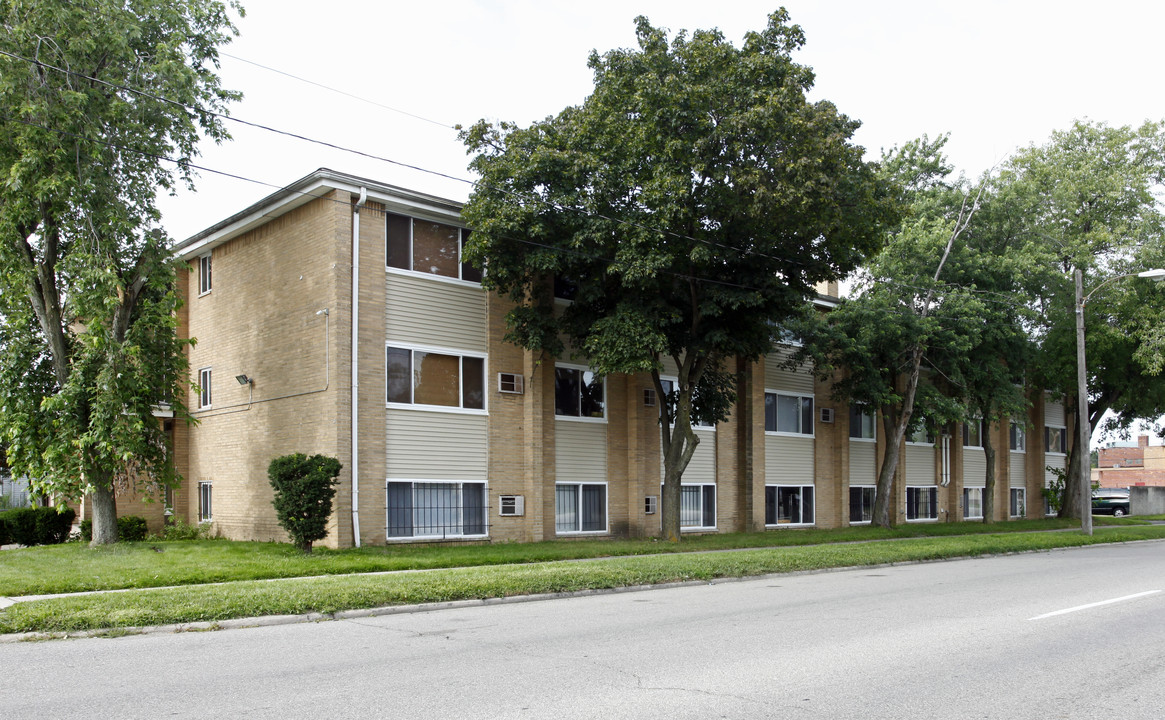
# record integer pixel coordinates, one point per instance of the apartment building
(335, 317)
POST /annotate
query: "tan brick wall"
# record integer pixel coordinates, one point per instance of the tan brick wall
(260, 319)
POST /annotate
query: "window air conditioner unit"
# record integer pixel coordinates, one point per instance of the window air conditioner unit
(512, 383)
(511, 505)
(649, 504)
(826, 415)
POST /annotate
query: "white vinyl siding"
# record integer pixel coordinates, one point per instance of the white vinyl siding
(1017, 476)
(1053, 412)
(863, 463)
(702, 468)
(580, 452)
(974, 467)
(788, 460)
(422, 311)
(438, 446)
(779, 378)
(920, 465)
(1059, 462)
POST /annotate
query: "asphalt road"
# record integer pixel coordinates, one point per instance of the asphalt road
(964, 639)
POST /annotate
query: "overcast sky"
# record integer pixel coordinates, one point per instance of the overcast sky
(995, 75)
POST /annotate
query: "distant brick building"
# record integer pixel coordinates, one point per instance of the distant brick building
(1122, 467)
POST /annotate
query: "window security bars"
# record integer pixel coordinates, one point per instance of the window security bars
(436, 510)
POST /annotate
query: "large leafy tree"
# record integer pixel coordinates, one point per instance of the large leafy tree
(899, 342)
(96, 97)
(1089, 199)
(693, 201)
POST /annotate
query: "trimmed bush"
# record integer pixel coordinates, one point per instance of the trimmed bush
(131, 528)
(179, 529)
(37, 525)
(5, 531)
(304, 488)
(85, 528)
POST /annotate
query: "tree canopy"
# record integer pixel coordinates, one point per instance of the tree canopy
(691, 202)
(101, 106)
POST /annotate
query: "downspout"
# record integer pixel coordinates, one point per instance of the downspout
(945, 477)
(356, 366)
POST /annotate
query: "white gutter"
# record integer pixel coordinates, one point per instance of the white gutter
(356, 366)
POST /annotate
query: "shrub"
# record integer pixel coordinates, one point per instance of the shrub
(85, 529)
(179, 529)
(37, 525)
(131, 528)
(5, 531)
(304, 488)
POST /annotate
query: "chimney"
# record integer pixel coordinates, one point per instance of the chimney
(1143, 441)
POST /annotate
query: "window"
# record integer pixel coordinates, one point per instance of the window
(427, 247)
(204, 502)
(204, 283)
(697, 506)
(1056, 440)
(788, 504)
(565, 288)
(972, 503)
(861, 503)
(204, 387)
(1018, 438)
(435, 509)
(578, 393)
(669, 387)
(789, 413)
(1018, 504)
(421, 377)
(973, 433)
(921, 503)
(580, 508)
(862, 423)
(921, 436)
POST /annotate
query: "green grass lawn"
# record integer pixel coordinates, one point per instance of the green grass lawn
(329, 594)
(74, 567)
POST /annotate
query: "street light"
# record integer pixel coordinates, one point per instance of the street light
(1083, 431)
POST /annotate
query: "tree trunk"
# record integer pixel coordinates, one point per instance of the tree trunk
(1070, 502)
(895, 430)
(104, 506)
(989, 484)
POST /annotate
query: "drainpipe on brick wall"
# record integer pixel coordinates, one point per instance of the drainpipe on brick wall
(356, 365)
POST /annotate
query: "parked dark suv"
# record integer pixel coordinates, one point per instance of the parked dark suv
(1109, 501)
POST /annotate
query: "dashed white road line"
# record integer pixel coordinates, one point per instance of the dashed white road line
(1078, 608)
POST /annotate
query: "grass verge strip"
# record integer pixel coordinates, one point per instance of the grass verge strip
(330, 594)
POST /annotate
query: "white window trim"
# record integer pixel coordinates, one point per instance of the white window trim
(204, 288)
(1023, 492)
(857, 522)
(606, 508)
(912, 443)
(417, 273)
(937, 512)
(421, 407)
(432, 481)
(205, 389)
(982, 499)
(1023, 429)
(798, 486)
(863, 439)
(206, 486)
(697, 528)
(578, 418)
(659, 401)
(981, 431)
(813, 423)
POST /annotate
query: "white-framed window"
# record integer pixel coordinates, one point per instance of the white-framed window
(973, 503)
(922, 503)
(788, 413)
(204, 394)
(788, 504)
(1049, 511)
(580, 508)
(698, 507)
(861, 503)
(1017, 505)
(579, 393)
(669, 387)
(863, 423)
(922, 435)
(1056, 440)
(1018, 438)
(427, 247)
(435, 378)
(435, 509)
(973, 433)
(205, 493)
(204, 276)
